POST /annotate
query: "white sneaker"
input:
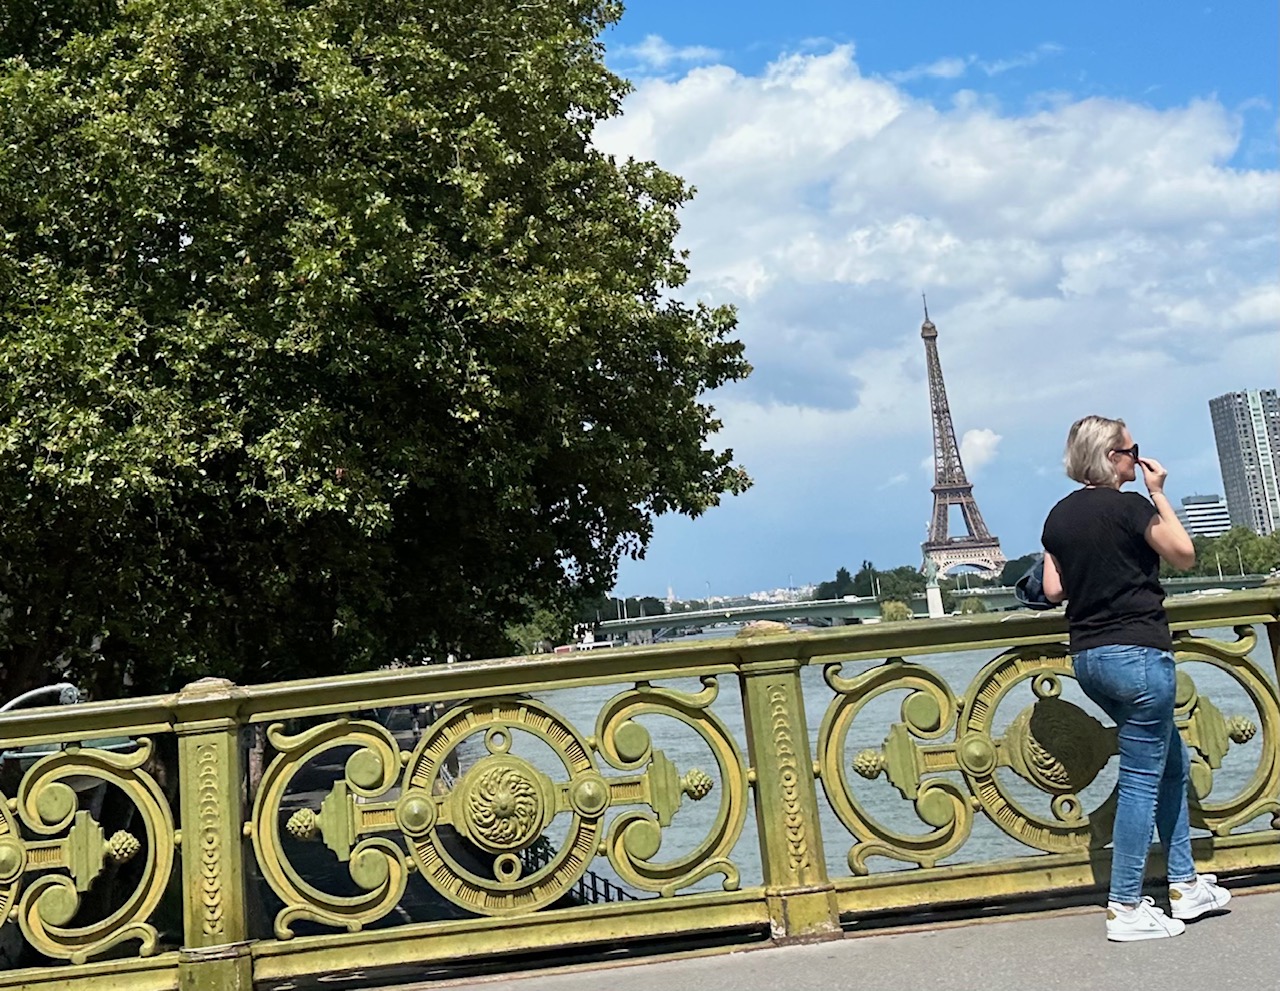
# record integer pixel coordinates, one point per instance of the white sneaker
(1144, 921)
(1191, 899)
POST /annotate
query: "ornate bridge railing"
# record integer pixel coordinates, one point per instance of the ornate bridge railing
(783, 784)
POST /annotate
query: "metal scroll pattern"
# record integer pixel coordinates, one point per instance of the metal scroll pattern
(946, 755)
(468, 837)
(70, 852)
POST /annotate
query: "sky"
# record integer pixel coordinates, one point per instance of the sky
(1087, 192)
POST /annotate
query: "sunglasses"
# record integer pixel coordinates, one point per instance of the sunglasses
(1131, 451)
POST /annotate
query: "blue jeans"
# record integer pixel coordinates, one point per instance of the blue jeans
(1135, 687)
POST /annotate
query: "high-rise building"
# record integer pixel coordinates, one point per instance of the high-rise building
(1204, 515)
(1246, 426)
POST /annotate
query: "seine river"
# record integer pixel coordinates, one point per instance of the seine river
(987, 842)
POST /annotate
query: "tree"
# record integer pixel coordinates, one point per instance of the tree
(326, 336)
(901, 583)
(541, 633)
(838, 589)
(1237, 550)
(894, 611)
(864, 582)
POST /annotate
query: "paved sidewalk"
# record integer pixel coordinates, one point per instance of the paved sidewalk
(1238, 950)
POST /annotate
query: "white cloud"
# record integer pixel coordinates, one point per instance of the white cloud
(655, 52)
(953, 67)
(827, 200)
(1020, 61)
(978, 448)
(943, 68)
(1086, 255)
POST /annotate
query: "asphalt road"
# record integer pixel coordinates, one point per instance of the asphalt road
(1238, 950)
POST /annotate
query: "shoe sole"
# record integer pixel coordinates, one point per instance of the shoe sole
(1137, 937)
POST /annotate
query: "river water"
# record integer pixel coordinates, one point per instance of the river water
(987, 842)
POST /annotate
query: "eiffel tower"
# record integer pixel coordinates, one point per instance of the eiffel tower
(950, 486)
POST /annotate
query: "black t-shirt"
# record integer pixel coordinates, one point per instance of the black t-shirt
(1109, 572)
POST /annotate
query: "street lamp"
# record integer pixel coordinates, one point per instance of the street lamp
(1241, 560)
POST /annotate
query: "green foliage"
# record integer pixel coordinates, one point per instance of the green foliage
(543, 631)
(601, 608)
(972, 605)
(838, 589)
(901, 583)
(651, 606)
(326, 337)
(894, 611)
(1238, 550)
(864, 582)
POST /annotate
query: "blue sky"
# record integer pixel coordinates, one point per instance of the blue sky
(1088, 192)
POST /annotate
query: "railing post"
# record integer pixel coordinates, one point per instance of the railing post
(800, 896)
(215, 953)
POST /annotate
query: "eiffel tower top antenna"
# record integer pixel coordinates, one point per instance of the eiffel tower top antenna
(926, 307)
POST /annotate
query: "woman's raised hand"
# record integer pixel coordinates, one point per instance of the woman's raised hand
(1154, 474)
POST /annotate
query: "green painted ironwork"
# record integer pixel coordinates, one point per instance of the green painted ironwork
(504, 838)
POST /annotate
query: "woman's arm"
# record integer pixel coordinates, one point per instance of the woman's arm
(1053, 590)
(1165, 533)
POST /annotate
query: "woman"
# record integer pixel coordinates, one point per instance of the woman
(1102, 555)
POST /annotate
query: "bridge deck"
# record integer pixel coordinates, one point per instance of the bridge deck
(1238, 950)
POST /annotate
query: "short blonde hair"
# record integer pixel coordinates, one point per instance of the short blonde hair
(1089, 442)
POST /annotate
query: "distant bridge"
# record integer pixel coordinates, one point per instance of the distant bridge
(856, 609)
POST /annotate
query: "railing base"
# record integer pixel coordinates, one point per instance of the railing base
(803, 915)
(216, 968)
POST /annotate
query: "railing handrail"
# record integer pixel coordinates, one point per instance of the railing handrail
(470, 679)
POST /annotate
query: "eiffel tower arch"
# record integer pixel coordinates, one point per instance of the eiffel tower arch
(943, 552)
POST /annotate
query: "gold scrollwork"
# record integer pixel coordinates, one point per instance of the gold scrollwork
(376, 865)
(928, 712)
(13, 860)
(635, 836)
(1052, 743)
(47, 805)
(502, 805)
(1209, 733)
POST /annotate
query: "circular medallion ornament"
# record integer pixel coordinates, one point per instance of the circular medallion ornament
(1051, 744)
(503, 803)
